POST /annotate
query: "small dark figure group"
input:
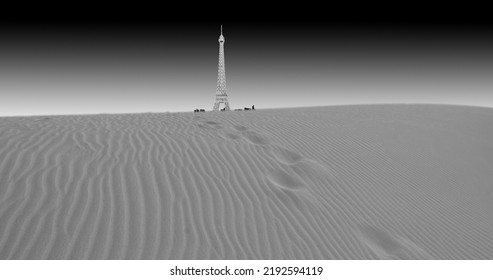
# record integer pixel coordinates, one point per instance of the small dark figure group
(224, 109)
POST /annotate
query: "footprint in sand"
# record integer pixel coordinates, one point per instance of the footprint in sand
(388, 245)
(240, 128)
(290, 191)
(231, 136)
(255, 138)
(285, 180)
(286, 156)
(252, 136)
(210, 124)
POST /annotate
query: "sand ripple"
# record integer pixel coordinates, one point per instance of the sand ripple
(346, 182)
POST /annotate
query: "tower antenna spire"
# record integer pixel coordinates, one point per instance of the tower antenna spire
(221, 30)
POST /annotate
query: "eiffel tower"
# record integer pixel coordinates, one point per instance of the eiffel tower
(221, 96)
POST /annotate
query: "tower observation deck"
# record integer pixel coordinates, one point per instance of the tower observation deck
(221, 95)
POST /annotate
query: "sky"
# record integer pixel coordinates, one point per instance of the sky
(131, 66)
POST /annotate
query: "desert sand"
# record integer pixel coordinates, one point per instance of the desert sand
(338, 182)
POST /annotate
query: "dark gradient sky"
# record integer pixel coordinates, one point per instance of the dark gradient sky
(87, 67)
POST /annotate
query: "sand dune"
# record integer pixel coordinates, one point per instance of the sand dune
(342, 182)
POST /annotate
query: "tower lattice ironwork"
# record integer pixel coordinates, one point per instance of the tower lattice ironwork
(221, 95)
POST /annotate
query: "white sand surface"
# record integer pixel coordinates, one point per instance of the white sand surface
(341, 182)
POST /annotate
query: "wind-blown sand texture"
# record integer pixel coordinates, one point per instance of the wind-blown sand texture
(342, 182)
